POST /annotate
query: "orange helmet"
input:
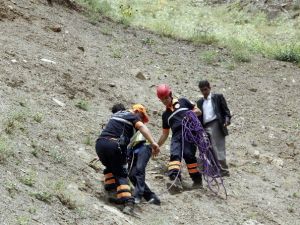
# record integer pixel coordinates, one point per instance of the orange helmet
(140, 108)
(163, 90)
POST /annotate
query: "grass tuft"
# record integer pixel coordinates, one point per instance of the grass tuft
(5, 151)
(82, 104)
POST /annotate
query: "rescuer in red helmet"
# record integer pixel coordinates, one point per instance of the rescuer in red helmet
(172, 117)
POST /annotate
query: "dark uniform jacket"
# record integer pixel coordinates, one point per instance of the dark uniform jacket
(172, 117)
(121, 123)
(220, 108)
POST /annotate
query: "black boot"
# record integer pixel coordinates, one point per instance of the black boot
(198, 182)
(128, 208)
(224, 168)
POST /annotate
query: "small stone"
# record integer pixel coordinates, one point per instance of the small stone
(256, 154)
(58, 102)
(141, 76)
(81, 48)
(112, 84)
(48, 61)
(253, 89)
(56, 29)
(13, 60)
(253, 143)
(278, 162)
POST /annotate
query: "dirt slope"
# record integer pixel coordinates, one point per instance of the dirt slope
(51, 58)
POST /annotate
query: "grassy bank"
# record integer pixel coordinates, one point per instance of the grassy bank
(242, 32)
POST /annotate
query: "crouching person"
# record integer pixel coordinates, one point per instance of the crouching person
(139, 153)
(111, 148)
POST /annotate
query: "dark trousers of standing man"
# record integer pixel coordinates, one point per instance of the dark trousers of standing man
(116, 174)
(138, 160)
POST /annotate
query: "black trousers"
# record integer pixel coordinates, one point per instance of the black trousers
(188, 154)
(114, 159)
(137, 174)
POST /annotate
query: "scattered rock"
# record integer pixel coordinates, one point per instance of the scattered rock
(278, 162)
(112, 85)
(48, 61)
(253, 89)
(253, 143)
(256, 154)
(141, 76)
(155, 112)
(81, 48)
(252, 222)
(58, 102)
(56, 29)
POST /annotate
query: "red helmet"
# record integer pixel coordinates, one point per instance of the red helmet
(163, 90)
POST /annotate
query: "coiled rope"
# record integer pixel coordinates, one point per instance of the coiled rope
(193, 132)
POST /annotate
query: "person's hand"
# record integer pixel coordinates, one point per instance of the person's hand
(155, 149)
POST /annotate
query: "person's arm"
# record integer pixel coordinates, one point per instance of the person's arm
(197, 111)
(147, 134)
(164, 136)
(225, 110)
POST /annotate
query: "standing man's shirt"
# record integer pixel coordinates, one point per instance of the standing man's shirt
(208, 110)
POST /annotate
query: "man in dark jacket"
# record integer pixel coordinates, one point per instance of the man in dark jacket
(215, 119)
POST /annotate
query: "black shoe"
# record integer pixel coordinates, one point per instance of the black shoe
(128, 208)
(198, 184)
(174, 186)
(137, 200)
(225, 173)
(154, 200)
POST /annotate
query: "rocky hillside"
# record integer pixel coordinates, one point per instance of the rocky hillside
(59, 76)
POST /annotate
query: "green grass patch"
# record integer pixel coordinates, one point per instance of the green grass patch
(203, 24)
(15, 121)
(88, 141)
(29, 179)
(38, 117)
(82, 104)
(5, 150)
(209, 57)
(58, 156)
(43, 196)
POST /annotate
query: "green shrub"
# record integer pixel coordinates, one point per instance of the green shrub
(38, 117)
(28, 179)
(43, 196)
(82, 104)
(288, 53)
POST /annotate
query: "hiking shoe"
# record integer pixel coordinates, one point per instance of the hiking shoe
(154, 200)
(128, 208)
(137, 200)
(197, 184)
(225, 173)
(174, 186)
